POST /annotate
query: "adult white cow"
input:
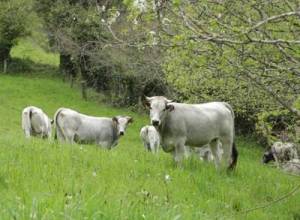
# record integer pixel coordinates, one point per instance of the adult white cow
(72, 126)
(194, 125)
(150, 138)
(36, 123)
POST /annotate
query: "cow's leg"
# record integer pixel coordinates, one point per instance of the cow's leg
(59, 134)
(152, 147)
(69, 136)
(214, 147)
(105, 144)
(156, 146)
(179, 151)
(227, 151)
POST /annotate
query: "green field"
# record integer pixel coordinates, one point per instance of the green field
(41, 179)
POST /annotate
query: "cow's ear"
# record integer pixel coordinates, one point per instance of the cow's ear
(115, 120)
(130, 119)
(146, 101)
(170, 107)
(52, 121)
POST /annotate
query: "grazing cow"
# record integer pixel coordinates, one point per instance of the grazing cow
(280, 153)
(194, 125)
(150, 138)
(36, 123)
(72, 126)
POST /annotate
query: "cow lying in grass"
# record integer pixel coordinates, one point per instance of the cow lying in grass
(150, 138)
(280, 153)
(285, 156)
(204, 153)
(36, 123)
(72, 126)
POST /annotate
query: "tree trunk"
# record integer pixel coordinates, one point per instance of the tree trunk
(5, 56)
(72, 78)
(83, 90)
(5, 65)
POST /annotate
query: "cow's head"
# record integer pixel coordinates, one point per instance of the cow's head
(159, 107)
(121, 123)
(268, 156)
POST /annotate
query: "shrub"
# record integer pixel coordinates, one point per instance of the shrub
(277, 125)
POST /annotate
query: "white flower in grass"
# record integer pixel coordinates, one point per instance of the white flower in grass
(94, 173)
(167, 177)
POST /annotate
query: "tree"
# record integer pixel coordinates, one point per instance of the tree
(13, 22)
(239, 44)
(80, 31)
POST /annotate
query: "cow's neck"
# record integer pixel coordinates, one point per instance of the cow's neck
(162, 128)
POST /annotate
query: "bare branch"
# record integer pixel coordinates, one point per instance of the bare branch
(272, 18)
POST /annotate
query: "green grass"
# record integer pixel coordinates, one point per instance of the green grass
(47, 180)
(28, 48)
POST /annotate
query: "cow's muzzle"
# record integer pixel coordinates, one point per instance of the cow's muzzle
(121, 133)
(155, 123)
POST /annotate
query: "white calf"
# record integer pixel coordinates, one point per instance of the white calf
(150, 138)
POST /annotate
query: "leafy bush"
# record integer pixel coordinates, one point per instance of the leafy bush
(278, 125)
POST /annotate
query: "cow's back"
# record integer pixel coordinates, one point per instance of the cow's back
(97, 129)
(197, 123)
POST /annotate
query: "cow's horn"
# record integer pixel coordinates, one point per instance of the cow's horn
(148, 98)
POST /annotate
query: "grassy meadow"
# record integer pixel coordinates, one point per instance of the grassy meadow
(41, 179)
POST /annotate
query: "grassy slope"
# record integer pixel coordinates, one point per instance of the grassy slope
(46, 180)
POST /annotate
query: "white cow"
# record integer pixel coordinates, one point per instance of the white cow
(150, 138)
(72, 126)
(194, 125)
(280, 153)
(36, 123)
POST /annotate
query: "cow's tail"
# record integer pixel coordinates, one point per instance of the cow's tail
(234, 151)
(234, 157)
(26, 121)
(56, 124)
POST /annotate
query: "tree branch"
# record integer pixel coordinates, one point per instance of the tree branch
(272, 18)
